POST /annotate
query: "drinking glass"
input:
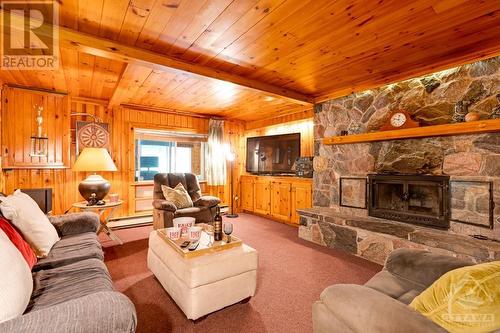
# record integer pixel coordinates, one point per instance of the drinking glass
(209, 229)
(228, 230)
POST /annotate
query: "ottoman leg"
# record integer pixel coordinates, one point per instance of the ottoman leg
(246, 300)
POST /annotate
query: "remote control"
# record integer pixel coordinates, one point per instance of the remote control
(185, 244)
(193, 246)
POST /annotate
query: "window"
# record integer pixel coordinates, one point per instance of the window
(161, 151)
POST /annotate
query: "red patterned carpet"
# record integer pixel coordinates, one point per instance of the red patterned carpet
(292, 273)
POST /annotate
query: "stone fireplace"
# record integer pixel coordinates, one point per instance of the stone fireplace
(415, 199)
(468, 227)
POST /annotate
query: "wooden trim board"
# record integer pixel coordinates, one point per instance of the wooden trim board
(473, 127)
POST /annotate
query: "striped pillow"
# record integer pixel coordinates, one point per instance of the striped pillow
(178, 196)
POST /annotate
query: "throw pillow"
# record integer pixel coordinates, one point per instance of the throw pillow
(465, 299)
(29, 219)
(19, 242)
(178, 196)
(16, 282)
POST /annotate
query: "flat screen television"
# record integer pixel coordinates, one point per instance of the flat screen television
(273, 154)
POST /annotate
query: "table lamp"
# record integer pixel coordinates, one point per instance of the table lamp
(94, 188)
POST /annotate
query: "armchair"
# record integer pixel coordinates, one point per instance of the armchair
(164, 212)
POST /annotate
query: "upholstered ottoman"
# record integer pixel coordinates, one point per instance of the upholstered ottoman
(207, 283)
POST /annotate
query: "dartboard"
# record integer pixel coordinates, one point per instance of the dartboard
(92, 135)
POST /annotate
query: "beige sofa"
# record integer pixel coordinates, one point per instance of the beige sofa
(381, 305)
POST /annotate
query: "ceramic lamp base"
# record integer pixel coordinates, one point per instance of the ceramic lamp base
(94, 188)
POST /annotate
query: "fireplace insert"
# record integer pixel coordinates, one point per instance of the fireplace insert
(416, 199)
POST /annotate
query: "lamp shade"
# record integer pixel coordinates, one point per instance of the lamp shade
(93, 160)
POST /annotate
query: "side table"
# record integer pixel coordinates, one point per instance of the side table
(108, 206)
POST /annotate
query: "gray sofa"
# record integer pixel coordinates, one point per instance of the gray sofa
(381, 305)
(72, 288)
(164, 211)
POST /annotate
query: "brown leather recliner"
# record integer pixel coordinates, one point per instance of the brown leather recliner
(204, 207)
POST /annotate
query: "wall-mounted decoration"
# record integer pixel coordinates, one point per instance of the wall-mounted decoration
(352, 192)
(39, 142)
(91, 134)
(472, 202)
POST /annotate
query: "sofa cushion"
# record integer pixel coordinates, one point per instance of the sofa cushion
(178, 196)
(396, 287)
(16, 282)
(421, 266)
(363, 309)
(70, 249)
(19, 242)
(466, 299)
(61, 284)
(29, 219)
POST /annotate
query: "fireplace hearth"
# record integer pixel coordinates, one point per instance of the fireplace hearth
(414, 199)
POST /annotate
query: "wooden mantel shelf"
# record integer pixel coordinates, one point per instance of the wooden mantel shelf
(473, 127)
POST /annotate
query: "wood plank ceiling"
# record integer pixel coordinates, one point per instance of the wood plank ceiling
(319, 48)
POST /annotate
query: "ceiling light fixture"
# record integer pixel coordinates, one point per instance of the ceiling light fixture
(225, 90)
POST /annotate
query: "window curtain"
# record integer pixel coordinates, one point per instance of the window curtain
(216, 162)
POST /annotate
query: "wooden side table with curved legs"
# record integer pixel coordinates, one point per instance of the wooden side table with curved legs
(100, 209)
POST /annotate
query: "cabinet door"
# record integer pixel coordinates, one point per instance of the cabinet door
(280, 200)
(301, 198)
(247, 193)
(19, 115)
(262, 197)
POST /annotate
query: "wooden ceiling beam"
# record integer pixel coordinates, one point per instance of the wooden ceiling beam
(114, 50)
(132, 55)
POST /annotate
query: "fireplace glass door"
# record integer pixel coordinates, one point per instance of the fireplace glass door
(424, 199)
(410, 198)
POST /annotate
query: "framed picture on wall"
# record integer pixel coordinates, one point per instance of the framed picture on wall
(352, 192)
(92, 134)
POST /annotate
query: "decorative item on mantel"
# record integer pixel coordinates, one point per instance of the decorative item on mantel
(472, 116)
(39, 142)
(460, 110)
(399, 119)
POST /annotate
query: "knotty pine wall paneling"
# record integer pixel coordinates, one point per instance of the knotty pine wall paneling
(283, 125)
(19, 107)
(122, 121)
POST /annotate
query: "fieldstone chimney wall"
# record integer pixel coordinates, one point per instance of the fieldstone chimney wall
(441, 98)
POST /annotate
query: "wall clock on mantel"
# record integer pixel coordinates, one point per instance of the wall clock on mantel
(398, 120)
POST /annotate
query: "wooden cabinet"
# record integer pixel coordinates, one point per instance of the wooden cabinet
(19, 112)
(301, 197)
(262, 196)
(247, 193)
(277, 197)
(280, 200)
